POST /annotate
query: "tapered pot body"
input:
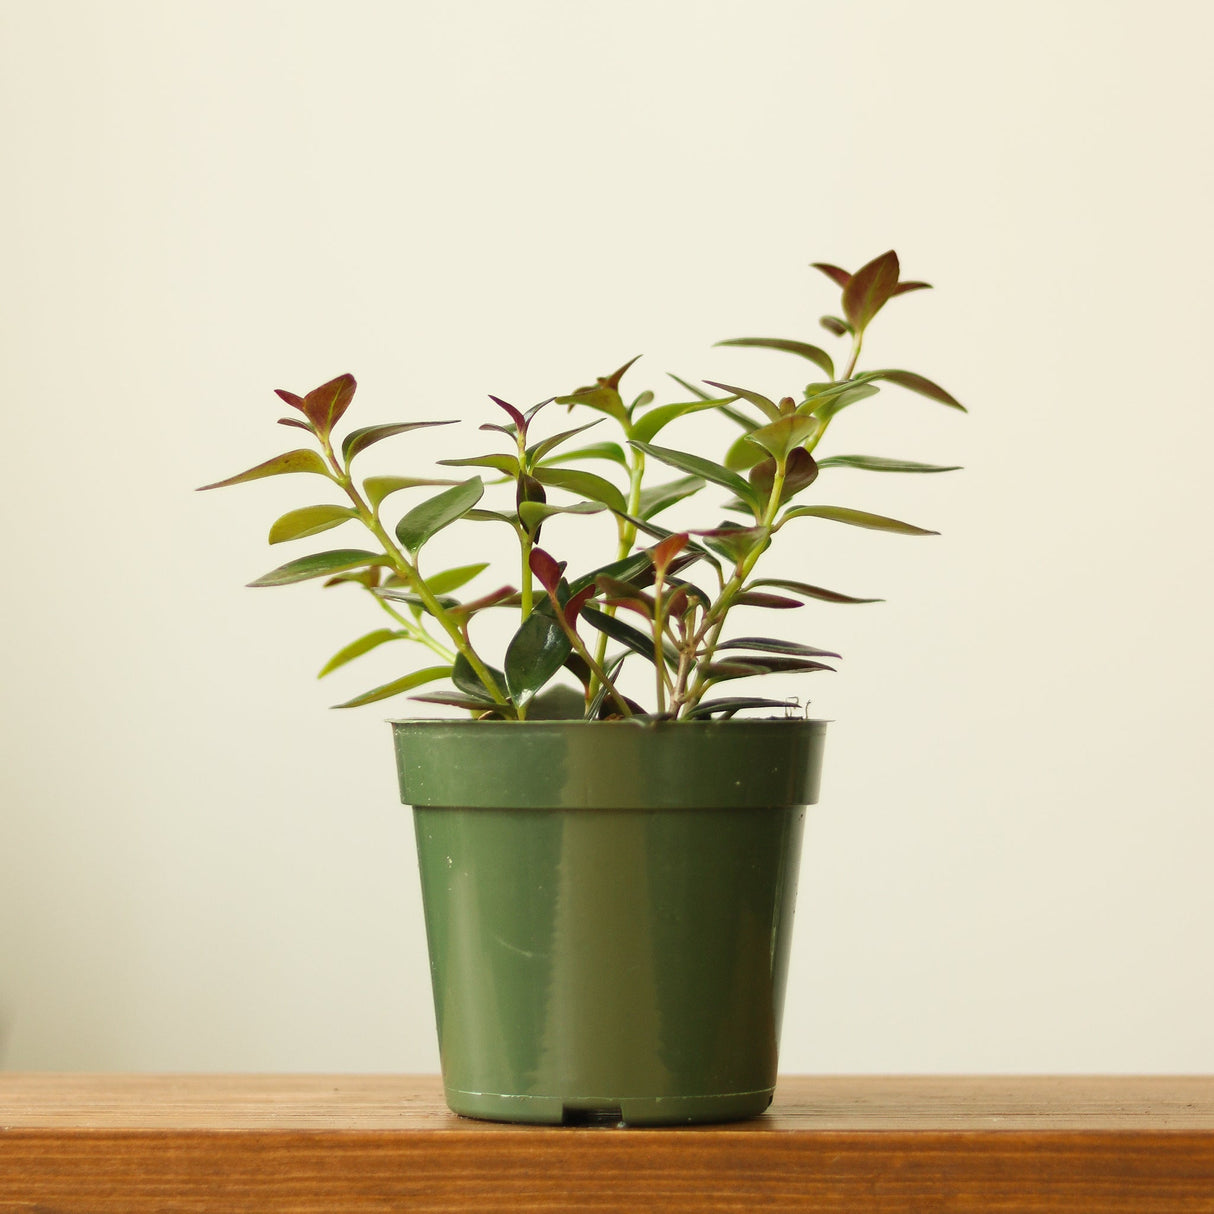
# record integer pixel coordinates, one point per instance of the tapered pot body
(608, 911)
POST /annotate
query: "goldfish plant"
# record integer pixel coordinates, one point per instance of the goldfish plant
(660, 596)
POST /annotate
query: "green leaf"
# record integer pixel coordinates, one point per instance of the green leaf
(609, 451)
(309, 520)
(534, 513)
(692, 388)
(452, 579)
(780, 437)
(537, 452)
(360, 440)
(535, 653)
(815, 354)
(734, 543)
(432, 516)
(813, 592)
(320, 564)
(768, 408)
(657, 498)
(465, 678)
(645, 429)
(416, 679)
(378, 487)
(558, 703)
(357, 648)
(694, 465)
(507, 464)
(584, 484)
(920, 384)
(835, 398)
(869, 288)
(301, 460)
(743, 454)
(855, 518)
(774, 645)
(489, 516)
(878, 463)
(626, 570)
(617, 630)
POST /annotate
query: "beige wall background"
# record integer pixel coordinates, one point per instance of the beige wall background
(201, 867)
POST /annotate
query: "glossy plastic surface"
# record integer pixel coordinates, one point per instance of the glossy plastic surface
(596, 960)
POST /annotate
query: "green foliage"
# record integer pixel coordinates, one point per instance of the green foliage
(616, 593)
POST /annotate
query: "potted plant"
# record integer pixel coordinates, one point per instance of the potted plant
(609, 883)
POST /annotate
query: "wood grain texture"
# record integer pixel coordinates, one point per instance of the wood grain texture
(81, 1144)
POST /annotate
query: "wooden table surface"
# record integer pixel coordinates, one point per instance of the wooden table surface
(92, 1144)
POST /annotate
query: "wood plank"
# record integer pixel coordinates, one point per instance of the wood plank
(73, 1144)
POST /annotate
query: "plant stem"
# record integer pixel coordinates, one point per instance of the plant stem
(714, 620)
(857, 342)
(413, 579)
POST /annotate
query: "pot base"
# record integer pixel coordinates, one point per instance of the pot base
(603, 1111)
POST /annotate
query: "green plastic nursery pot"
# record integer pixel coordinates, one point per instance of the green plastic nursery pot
(608, 910)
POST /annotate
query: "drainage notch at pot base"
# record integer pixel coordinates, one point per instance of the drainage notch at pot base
(636, 1111)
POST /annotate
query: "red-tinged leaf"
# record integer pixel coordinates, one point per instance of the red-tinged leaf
(734, 543)
(503, 596)
(757, 598)
(294, 421)
(520, 422)
(903, 287)
(613, 380)
(325, 405)
(361, 439)
(813, 592)
(839, 277)
(920, 384)
(768, 407)
(395, 688)
(815, 354)
(678, 603)
(302, 460)
(801, 471)
(360, 577)
(760, 664)
(663, 553)
(870, 288)
(573, 608)
(832, 324)
(546, 568)
(296, 402)
(454, 699)
(621, 594)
